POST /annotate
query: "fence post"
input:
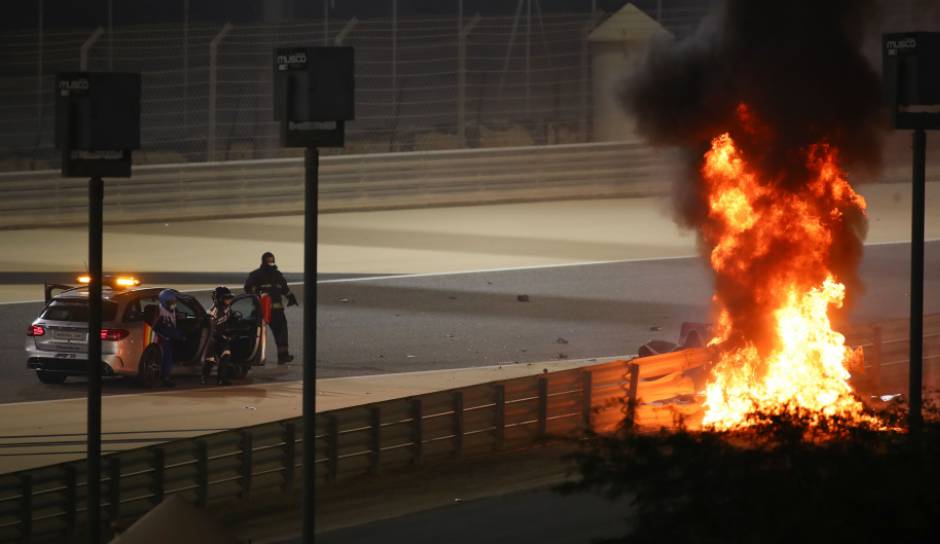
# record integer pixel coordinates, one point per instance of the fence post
(86, 46)
(246, 444)
(634, 370)
(71, 499)
(587, 394)
(158, 465)
(499, 423)
(417, 435)
(290, 456)
(458, 423)
(114, 489)
(26, 507)
(462, 79)
(332, 448)
(347, 28)
(202, 473)
(213, 84)
(543, 408)
(375, 437)
(876, 348)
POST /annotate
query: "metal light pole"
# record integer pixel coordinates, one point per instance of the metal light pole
(303, 109)
(912, 94)
(95, 265)
(311, 167)
(88, 105)
(915, 384)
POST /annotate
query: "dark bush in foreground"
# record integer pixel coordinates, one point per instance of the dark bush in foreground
(782, 480)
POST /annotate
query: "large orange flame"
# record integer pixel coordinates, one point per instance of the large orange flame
(771, 250)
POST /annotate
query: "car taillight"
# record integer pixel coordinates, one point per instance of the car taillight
(35, 330)
(113, 334)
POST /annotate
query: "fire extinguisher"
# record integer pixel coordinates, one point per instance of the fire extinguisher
(266, 308)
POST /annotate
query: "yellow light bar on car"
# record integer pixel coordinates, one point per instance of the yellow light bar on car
(84, 279)
(126, 281)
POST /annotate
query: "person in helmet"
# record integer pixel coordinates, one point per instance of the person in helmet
(268, 280)
(219, 352)
(166, 333)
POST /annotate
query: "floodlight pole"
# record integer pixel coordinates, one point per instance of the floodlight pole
(95, 265)
(915, 380)
(311, 201)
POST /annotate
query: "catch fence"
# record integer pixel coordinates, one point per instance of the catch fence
(422, 82)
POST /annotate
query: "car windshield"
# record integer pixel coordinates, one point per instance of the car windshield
(76, 310)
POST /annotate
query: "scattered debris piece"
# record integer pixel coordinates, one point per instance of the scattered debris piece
(458, 499)
(452, 297)
(524, 350)
(887, 398)
(656, 328)
(561, 341)
(410, 356)
(522, 298)
(344, 300)
(562, 356)
(249, 407)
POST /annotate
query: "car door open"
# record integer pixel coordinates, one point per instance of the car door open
(192, 321)
(248, 330)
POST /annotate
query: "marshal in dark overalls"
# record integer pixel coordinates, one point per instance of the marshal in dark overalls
(268, 280)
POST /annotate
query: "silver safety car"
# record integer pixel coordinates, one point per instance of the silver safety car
(57, 340)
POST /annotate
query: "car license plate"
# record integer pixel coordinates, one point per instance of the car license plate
(69, 336)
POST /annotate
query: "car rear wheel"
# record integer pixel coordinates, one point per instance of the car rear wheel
(148, 370)
(50, 377)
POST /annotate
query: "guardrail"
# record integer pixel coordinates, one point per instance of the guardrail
(346, 182)
(46, 504)
(887, 345)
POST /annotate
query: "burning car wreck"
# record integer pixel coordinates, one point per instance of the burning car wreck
(772, 106)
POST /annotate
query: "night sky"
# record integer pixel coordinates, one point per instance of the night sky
(91, 13)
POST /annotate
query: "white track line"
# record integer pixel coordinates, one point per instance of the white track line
(507, 269)
(544, 266)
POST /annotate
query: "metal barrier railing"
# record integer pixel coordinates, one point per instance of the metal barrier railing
(46, 504)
